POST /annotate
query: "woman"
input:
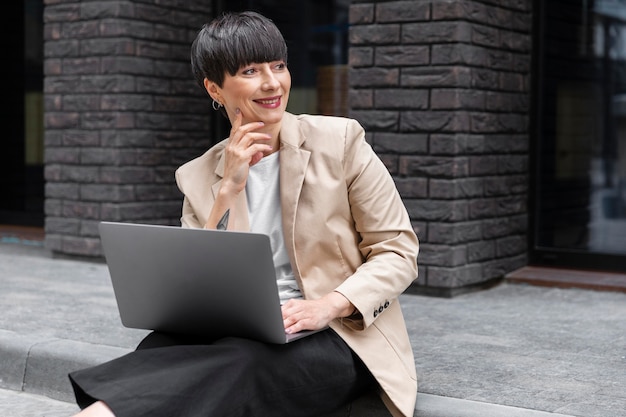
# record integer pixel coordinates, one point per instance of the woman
(343, 249)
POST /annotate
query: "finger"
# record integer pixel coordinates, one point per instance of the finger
(236, 124)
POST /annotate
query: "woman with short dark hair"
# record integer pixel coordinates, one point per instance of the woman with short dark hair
(343, 247)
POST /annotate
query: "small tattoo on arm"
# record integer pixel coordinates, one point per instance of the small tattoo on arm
(223, 223)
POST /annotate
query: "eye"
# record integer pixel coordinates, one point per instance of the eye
(280, 65)
(248, 71)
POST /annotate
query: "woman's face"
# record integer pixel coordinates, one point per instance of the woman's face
(259, 90)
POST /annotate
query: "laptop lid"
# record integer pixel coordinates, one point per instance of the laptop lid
(206, 282)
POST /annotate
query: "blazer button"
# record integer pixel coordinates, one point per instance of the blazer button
(386, 303)
(375, 313)
(380, 309)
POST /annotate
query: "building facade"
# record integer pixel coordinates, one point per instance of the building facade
(447, 90)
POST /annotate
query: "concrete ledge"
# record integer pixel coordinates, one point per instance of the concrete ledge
(50, 362)
(436, 406)
(13, 358)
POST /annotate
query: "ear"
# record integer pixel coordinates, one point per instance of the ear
(213, 90)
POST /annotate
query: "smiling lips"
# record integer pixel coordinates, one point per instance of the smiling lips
(271, 102)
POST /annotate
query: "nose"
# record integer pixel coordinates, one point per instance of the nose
(270, 82)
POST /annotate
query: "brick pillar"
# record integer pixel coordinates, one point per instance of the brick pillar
(121, 113)
(442, 88)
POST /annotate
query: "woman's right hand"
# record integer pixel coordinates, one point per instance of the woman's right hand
(245, 148)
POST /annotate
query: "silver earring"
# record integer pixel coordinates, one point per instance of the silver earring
(216, 105)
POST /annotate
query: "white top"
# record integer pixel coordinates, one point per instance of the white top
(263, 194)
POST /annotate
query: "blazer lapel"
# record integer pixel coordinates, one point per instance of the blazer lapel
(293, 164)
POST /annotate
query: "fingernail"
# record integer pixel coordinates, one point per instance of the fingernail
(237, 110)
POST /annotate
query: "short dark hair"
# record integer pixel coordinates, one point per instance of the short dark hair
(233, 40)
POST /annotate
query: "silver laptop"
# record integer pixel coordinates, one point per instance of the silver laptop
(212, 283)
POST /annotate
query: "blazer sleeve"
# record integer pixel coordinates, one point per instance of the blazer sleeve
(388, 243)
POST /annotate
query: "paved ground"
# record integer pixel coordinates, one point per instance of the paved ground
(513, 350)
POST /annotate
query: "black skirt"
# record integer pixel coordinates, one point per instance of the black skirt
(174, 376)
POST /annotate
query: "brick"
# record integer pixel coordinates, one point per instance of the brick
(361, 99)
(483, 165)
(509, 143)
(62, 225)
(152, 49)
(80, 138)
(98, 156)
(376, 119)
(81, 246)
(61, 49)
(61, 191)
(506, 102)
(80, 209)
(443, 255)
(361, 14)
(109, 83)
(106, 9)
(392, 98)
(52, 208)
(62, 12)
(500, 267)
(437, 210)
(128, 65)
(80, 102)
(455, 144)
(126, 175)
(461, 54)
(360, 56)
(485, 36)
(107, 120)
(454, 233)
(505, 226)
(443, 277)
(107, 47)
(506, 185)
(61, 155)
(175, 104)
(412, 187)
(88, 65)
(126, 102)
(434, 167)
(81, 29)
(434, 121)
(125, 27)
(157, 85)
(58, 120)
(401, 143)
(481, 251)
(498, 206)
(107, 193)
(452, 98)
(430, 33)
(513, 164)
(80, 173)
(402, 11)
(374, 77)
(511, 245)
(484, 78)
(151, 192)
(455, 189)
(89, 228)
(433, 76)
(403, 55)
(128, 138)
(374, 34)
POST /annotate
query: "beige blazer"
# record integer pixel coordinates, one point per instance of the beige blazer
(346, 229)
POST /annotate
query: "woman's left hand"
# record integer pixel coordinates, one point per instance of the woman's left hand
(301, 315)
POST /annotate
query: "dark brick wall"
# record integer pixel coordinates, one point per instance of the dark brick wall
(442, 88)
(121, 113)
